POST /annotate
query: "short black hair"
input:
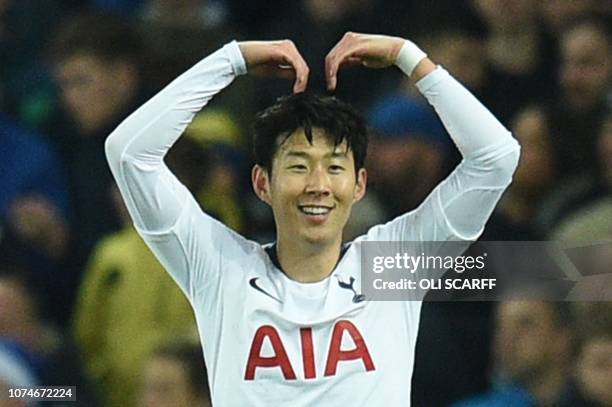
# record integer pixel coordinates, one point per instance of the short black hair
(105, 35)
(338, 120)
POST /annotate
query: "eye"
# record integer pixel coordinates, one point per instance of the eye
(336, 169)
(298, 168)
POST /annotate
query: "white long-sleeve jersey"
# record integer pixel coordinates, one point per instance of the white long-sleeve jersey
(269, 340)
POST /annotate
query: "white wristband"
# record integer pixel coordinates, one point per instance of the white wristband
(409, 57)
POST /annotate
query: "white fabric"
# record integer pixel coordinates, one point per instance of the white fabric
(14, 372)
(214, 266)
(409, 57)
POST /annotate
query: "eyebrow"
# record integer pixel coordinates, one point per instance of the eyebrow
(303, 154)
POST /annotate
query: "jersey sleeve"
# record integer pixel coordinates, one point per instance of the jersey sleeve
(185, 240)
(459, 207)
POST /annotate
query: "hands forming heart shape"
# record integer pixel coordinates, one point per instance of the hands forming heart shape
(282, 59)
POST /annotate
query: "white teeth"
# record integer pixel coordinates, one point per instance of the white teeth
(314, 210)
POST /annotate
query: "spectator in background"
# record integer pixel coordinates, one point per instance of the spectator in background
(580, 209)
(585, 79)
(521, 58)
(51, 357)
(175, 376)
(409, 140)
(218, 155)
(460, 48)
(119, 320)
(559, 15)
(535, 174)
(410, 144)
(593, 370)
(97, 62)
(33, 202)
(533, 348)
(455, 336)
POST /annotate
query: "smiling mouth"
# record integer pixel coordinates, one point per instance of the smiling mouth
(315, 210)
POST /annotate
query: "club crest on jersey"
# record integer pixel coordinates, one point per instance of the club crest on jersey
(357, 298)
(280, 358)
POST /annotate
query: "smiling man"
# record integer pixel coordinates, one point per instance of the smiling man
(286, 323)
(310, 171)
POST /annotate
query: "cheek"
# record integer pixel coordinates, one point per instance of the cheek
(284, 194)
(72, 98)
(81, 100)
(345, 190)
(103, 96)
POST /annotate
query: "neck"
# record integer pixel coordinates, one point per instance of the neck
(547, 388)
(308, 262)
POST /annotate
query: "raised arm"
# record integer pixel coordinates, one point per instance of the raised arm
(190, 244)
(465, 200)
(135, 150)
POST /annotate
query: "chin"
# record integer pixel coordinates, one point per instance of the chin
(317, 238)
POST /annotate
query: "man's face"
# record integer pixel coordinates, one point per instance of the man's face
(417, 163)
(527, 339)
(312, 188)
(594, 370)
(536, 167)
(506, 13)
(464, 56)
(586, 70)
(92, 90)
(165, 383)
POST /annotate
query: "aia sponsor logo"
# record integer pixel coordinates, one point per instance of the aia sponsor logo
(335, 355)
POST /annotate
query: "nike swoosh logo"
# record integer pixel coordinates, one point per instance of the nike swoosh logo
(253, 283)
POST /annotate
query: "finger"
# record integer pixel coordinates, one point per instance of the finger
(301, 70)
(331, 68)
(338, 61)
(340, 53)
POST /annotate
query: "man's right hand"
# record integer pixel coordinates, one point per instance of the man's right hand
(276, 58)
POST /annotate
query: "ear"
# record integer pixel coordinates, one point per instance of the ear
(360, 185)
(261, 183)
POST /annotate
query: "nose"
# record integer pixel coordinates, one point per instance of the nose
(318, 182)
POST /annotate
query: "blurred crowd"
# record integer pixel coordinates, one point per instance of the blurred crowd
(82, 300)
